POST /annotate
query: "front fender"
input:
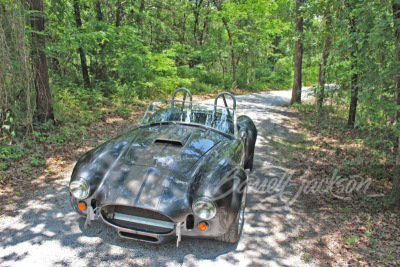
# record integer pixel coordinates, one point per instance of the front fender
(222, 180)
(95, 164)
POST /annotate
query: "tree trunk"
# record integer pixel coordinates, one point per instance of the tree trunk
(354, 93)
(196, 14)
(99, 14)
(324, 60)
(98, 69)
(254, 66)
(395, 194)
(218, 5)
(85, 72)
(118, 15)
(232, 53)
(222, 66)
(141, 9)
(56, 65)
(298, 55)
(139, 16)
(354, 76)
(204, 28)
(196, 22)
(39, 62)
(247, 68)
(183, 29)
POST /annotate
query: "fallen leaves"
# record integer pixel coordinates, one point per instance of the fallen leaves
(360, 231)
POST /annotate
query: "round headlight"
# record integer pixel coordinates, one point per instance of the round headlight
(79, 189)
(204, 208)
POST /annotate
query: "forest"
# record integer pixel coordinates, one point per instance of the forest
(68, 67)
(64, 61)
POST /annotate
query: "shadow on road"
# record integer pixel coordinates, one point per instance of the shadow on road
(46, 231)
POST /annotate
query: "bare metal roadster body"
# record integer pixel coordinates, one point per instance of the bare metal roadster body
(180, 173)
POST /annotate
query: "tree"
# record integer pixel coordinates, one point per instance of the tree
(354, 65)
(218, 5)
(78, 20)
(395, 194)
(118, 15)
(232, 52)
(324, 60)
(98, 67)
(99, 14)
(39, 62)
(139, 19)
(298, 55)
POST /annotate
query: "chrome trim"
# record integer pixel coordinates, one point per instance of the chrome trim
(84, 182)
(184, 98)
(206, 199)
(144, 221)
(138, 233)
(235, 130)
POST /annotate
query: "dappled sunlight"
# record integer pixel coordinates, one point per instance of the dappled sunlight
(46, 221)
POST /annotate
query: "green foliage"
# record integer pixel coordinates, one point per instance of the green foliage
(152, 58)
(157, 48)
(280, 74)
(35, 159)
(8, 153)
(373, 57)
(79, 105)
(351, 239)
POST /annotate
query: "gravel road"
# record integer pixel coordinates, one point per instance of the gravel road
(45, 231)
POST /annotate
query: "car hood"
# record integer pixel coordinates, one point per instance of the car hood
(171, 147)
(157, 169)
(149, 188)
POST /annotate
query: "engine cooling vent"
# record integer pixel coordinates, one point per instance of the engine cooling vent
(138, 219)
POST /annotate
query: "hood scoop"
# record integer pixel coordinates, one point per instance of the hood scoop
(176, 148)
(175, 138)
(169, 141)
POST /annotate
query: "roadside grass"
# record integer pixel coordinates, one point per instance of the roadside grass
(358, 230)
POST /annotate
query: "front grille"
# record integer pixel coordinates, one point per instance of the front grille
(137, 219)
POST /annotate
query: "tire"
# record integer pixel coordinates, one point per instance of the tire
(249, 163)
(236, 228)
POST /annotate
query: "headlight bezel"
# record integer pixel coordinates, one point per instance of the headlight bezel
(80, 182)
(204, 201)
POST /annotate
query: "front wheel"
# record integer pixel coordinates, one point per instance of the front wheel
(236, 228)
(249, 163)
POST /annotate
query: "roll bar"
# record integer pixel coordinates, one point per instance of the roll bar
(227, 109)
(184, 97)
(186, 91)
(226, 105)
